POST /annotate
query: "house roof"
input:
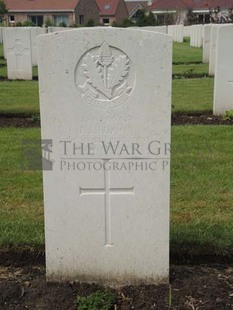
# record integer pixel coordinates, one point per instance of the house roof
(41, 5)
(133, 6)
(190, 4)
(107, 7)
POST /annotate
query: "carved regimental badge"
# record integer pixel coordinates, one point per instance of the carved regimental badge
(105, 77)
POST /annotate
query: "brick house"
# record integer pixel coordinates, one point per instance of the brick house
(112, 11)
(68, 12)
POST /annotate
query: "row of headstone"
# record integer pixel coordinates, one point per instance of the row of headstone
(213, 44)
(176, 31)
(187, 31)
(196, 35)
(106, 210)
(206, 43)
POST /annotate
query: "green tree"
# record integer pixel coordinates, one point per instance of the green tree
(127, 23)
(3, 10)
(150, 20)
(141, 18)
(90, 23)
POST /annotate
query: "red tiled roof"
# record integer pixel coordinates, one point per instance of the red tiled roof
(43, 5)
(107, 7)
(190, 4)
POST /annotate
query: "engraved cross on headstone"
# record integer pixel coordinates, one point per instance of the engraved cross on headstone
(107, 191)
(230, 82)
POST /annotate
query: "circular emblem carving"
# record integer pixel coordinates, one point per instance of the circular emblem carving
(104, 77)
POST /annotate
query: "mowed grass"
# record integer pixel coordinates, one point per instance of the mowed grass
(188, 69)
(19, 97)
(191, 95)
(21, 197)
(183, 53)
(201, 191)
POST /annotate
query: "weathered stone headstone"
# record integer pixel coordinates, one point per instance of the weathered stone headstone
(176, 31)
(187, 31)
(106, 107)
(206, 43)
(213, 43)
(19, 61)
(34, 32)
(223, 86)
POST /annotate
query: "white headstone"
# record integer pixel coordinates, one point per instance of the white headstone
(170, 30)
(213, 42)
(34, 32)
(206, 44)
(106, 211)
(199, 31)
(178, 33)
(187, 31)
(223, 86)
(19, 61)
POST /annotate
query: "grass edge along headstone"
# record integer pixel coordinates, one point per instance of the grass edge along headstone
(105, 101)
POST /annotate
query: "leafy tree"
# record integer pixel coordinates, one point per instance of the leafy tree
(90, 23)
(141, 18)
(3, 10)
(150, 19)
(127, 23)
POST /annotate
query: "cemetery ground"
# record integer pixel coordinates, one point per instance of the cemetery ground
(201, 275)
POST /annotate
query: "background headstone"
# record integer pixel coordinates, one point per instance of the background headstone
(34, 32)
(107, 226)
(206, 43)
(223, 86)
(187, 31)
(19, 61)
(213, 43)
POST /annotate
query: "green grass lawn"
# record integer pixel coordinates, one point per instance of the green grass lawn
(188, 69)
(189, 95)
(21, 197)
(201, 191)
(19, 97)
(184, 53)
(1, 51)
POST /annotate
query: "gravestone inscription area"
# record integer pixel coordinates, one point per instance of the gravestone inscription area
(19, 63)
(105, 100)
